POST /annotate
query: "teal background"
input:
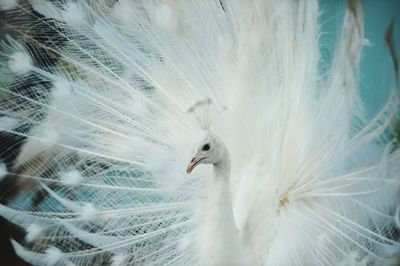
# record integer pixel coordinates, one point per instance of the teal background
(376, 72)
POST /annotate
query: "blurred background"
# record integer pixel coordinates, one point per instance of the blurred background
(376, 73)
(376, 76)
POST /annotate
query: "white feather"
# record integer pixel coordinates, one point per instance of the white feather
(20, 62)
(8, 123)
(33, 231)
(397, 212)
(89, 212)
(46, 8)
(29, 256)
(8, 4)
(119, 260)
(71, 177)
(49, 137)
(3, 170)
(62, 90)
(166, 16)
(73, 14)
(313, 181)
(53, 256)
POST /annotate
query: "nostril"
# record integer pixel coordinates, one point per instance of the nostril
(192, 160)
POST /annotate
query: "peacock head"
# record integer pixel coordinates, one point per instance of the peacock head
(209, 150)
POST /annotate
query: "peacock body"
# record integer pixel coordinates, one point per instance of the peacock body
(140, 90)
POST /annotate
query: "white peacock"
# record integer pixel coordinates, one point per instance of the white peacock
(300, 176)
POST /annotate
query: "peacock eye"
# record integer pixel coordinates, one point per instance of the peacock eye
(206, 147)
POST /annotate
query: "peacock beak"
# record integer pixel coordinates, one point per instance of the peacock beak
(193, 163)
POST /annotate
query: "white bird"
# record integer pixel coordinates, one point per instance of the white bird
(145, 91)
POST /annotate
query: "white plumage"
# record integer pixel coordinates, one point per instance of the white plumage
(32, 232)
(140, 87)
(8, 4)
(3, 170)
(20, 62)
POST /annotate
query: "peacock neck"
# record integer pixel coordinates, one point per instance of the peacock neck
(222, 168)
(220, 243)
